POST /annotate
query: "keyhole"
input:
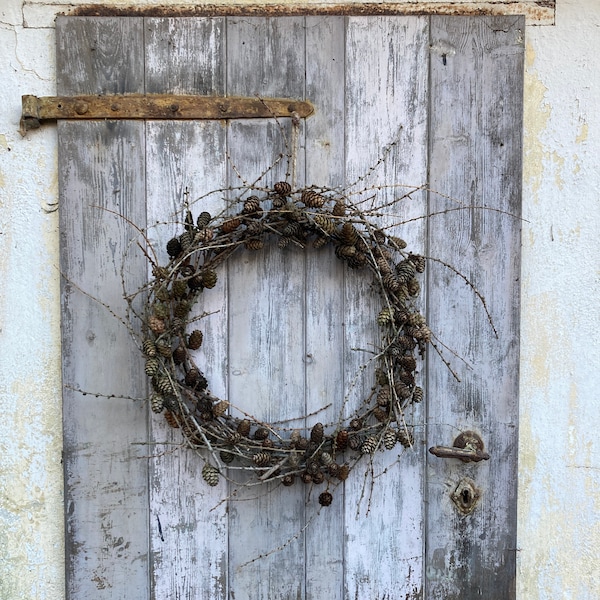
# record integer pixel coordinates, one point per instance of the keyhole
(466, 498)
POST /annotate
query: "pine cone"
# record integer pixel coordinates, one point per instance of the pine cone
(262, 433)
(156, 325)
(149, 348)
(391, 282)
(179, 288)
(209, 278)
(220, 408)
(405, 270)
(164, 386)
(343, 472)
(356, 424)
(251, 205)
(405, 437)
(369, 445)
(179, 355)
(171, 420)
(318, 478)
(163, 347)
(325, 499)
(231, 225)
(312, 199)
(226, 456)
(152, 366)
(174, 247)
(413, 286)
(186, 239)
(156, 403)
(348, 234)
(182, 309)
(408, 362)
(243, 427)
(326, 458)
(261, 459)
(389, 439)
(316, 433)
(341, 440)
(288, 480)
(254, 244)
(396, 242)
(195, 339)
(204, 236)
(282, 188)
(339, 209)
(210, 474)
(326, 224)
(381, 414)
(419, 262)
(384, 395)
(203, 219)
(385, 316)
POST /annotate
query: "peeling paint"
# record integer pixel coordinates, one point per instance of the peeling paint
(559, 462)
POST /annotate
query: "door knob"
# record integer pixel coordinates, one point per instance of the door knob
(468, 447)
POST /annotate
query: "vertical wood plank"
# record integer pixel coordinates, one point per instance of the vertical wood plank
(324, 296)
(386, 90)
(475, 147)
(185, 161)
(266, 335)
(101, 176)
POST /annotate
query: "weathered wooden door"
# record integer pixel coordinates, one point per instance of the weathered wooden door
(433, 103)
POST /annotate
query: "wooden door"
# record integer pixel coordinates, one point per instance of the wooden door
(426, 105)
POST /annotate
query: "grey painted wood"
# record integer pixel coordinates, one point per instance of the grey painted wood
(446, 94)
(266, 335)
(185, 161)
(475, 147)
(324, 295)
(385, 104)
(101, 169)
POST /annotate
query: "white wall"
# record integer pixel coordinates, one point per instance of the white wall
(559, 479)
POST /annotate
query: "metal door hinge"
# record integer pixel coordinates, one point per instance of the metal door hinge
(157, 106)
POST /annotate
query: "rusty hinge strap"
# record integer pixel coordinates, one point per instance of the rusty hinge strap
(157, 106)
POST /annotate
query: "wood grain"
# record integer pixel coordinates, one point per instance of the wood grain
(101, 179)
(423, 103)
(475, 148)
(386, 117)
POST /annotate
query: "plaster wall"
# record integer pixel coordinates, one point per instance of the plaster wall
(559, 474)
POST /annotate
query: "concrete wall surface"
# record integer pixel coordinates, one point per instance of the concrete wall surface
(559, 474)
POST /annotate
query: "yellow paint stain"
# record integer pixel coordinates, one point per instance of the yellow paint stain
(559, 161)
(568, 236)
(540, 326)
(536, 114)
(3, 142)
(584, 131)
(31, 492)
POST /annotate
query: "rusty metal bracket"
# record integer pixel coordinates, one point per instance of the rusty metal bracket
(157, 106)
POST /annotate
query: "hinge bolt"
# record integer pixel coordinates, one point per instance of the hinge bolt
(81, 108)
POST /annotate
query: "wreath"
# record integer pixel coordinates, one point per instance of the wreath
(171, 337)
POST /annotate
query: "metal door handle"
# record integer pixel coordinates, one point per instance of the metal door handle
(468, 447)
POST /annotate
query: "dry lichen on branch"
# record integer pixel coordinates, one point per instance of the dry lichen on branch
(298, 218)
